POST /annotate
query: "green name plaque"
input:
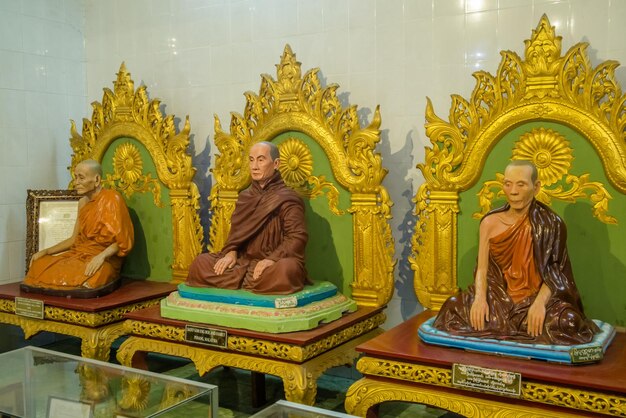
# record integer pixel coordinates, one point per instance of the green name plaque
(586, 354)
(483, 379)
(206, 336)
(31, 308)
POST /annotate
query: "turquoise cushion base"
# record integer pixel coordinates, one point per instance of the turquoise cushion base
(311, 293)
(552, 353)
(255, 318)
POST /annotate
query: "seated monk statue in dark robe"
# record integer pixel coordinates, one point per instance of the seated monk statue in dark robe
(524, 288)
(264, 251)
(92, 257)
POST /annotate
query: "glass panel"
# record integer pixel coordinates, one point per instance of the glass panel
(41, 383)
(285, 409)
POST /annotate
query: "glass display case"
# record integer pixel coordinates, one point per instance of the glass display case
(39, 383)
(285, 409)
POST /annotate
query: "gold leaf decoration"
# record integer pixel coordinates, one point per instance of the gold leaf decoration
(296, 167)
(128, 175)
(134, 393)
(552, 155)
(296, 163)
(546, 86)
(548, 150)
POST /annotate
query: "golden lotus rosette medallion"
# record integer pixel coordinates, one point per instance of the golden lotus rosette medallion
(128, 177)
(296, 162)
(548, 150)
(552, 155)
(127, 163)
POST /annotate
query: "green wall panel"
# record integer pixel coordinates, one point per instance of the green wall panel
(151, 257)
(329, 251)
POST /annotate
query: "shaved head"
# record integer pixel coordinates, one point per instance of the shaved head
(92, 165)
(274, 152)
(525, 163)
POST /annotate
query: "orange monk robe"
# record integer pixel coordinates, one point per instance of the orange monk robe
(536, 255)
(102, 221)
(512, 250)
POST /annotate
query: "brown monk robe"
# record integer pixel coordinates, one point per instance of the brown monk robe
(264, 252)
(523, 287)
(267, 224)
(530, 253)
(102, 221)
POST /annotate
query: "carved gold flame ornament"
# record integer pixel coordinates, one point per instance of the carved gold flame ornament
(552, 155)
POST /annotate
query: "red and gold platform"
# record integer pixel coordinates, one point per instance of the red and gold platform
(397, 366)
(298, 358)
(97, 322)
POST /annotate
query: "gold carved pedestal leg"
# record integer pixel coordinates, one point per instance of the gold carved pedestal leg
(299, 380)
(366, 394)
(96, 342)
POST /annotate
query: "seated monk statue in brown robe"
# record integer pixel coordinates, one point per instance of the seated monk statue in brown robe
(92, 257)
(264, 251)
(524, 288)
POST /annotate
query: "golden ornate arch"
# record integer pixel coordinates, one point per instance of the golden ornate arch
(299, 103)
(126, 112)
(544, 86)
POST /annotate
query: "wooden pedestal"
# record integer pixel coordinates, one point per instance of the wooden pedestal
(399, 367)
(298, 358)
(97, 322)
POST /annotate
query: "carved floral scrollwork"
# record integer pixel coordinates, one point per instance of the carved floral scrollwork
(263, 348)
(581, 400)
(543, 86)
(128, 175)
(296, 169)
(126, 112)
(296, 102)
(551, 154)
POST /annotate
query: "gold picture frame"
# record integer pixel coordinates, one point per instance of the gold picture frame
(50, 218)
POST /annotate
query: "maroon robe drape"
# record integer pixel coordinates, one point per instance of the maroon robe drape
(565, 321)
(267, 223)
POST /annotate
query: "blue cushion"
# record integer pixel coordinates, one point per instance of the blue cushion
(553, 353)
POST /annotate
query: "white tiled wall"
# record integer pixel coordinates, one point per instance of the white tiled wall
(42, 85)
(199, 56)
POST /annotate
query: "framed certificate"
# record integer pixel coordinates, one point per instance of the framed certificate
(65, 408)
(51, 215)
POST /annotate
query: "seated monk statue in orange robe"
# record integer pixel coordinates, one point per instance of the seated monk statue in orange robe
(264, 251)
(92, 257)
(524, 288)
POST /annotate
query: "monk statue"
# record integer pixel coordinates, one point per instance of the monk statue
(523, 287)
(264, 251)
(88, 263)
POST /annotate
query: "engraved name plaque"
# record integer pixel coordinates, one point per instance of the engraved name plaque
(286, 302)
(31, 308)
(586, 354)
(487, 380)
(206, 336)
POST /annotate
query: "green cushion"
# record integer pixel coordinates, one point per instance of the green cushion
(257, 318)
